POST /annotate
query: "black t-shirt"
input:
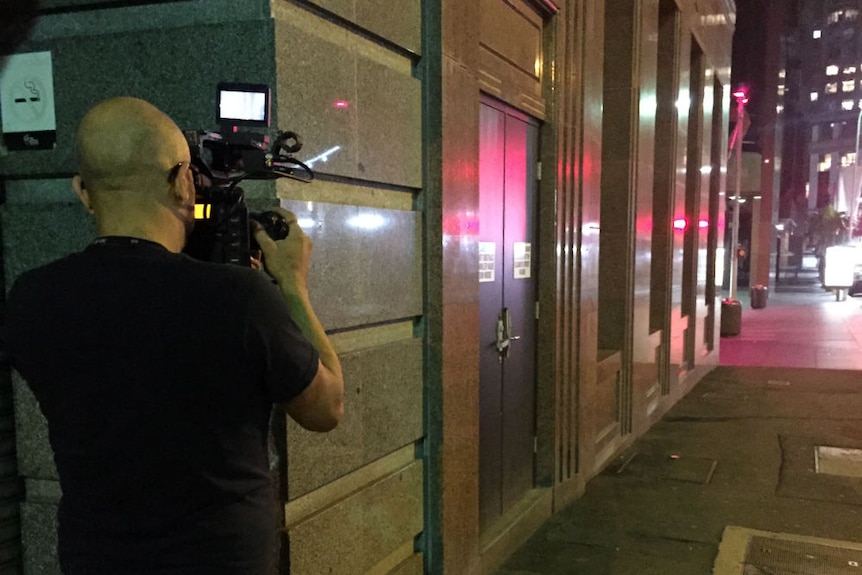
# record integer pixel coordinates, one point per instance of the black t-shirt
(157, 374)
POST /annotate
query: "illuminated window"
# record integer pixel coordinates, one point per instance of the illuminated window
(851, 14)
(779, 109)
(781, 89)
(782, 73)
(850, 70)
(825, 164)
(832, 70)
(848, 85)
(834, 17)
(816, 34)
(814, 96)
(831, 88)
(847, 159)
(847, 105)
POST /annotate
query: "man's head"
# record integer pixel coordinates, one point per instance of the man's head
(134, 170)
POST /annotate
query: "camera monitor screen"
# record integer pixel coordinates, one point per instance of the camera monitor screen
(243, 104)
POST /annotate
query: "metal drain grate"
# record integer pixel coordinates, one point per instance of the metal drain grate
(767, 556)
(674, 466)
(838, 461)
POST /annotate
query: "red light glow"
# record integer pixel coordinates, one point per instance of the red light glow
(341, 104)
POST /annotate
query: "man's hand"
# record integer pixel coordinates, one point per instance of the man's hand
(287, 260)
(321, 406)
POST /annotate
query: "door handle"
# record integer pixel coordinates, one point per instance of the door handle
(507, 322)
(504, 333)
(502, 342)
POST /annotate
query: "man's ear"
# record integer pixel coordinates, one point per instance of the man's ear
(82, 193)
(183, 191)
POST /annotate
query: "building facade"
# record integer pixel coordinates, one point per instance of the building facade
(516, 220)
(825, 63)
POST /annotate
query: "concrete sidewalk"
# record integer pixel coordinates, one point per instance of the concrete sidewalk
(727, 482)
(726, 478)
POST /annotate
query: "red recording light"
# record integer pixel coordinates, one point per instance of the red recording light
(341, 104)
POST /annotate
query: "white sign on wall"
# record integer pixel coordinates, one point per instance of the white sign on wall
(523, 259)
(487, 261)
(27, 102)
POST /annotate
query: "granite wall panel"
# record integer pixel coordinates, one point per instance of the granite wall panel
(39, 538)
(94, 64)
(367, 262)
(61, 5)
(382, 412)
(35, 457)
(42, 221)
(400, 24)
(359, 532)
(352, 99)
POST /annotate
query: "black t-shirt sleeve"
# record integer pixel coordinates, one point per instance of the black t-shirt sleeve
(288, 362)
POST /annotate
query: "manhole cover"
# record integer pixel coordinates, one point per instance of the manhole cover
(838, 461)
(766, 555)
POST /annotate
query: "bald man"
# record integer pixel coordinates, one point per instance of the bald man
(157, 373)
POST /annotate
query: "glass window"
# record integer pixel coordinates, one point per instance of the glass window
(851, 14)
(832, 87)
(832, 70)
(814, 96)
(848, 85)
(847, 105)
(850, 70)
(816, 34)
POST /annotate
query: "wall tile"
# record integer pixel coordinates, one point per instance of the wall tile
(357, 533)
(382, 412)
(400, 23)
(86, 71)
(350, 96)
(367, 262)
(39, 538)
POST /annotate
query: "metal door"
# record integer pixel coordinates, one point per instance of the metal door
(507, 312)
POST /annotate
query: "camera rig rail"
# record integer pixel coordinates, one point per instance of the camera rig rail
(220, 161)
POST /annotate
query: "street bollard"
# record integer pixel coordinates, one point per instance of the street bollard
(759, 293)
(731, 317)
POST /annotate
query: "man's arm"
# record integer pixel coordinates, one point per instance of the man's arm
(321, 405)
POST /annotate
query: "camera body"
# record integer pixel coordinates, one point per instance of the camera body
(220, 161)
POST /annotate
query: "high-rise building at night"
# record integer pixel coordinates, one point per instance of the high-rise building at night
(822, 103)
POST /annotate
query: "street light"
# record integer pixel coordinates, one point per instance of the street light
(741, 96)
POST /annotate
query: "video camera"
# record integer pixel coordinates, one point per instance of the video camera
(221, 160)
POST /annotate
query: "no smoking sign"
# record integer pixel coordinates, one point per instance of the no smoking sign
(27, 102)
